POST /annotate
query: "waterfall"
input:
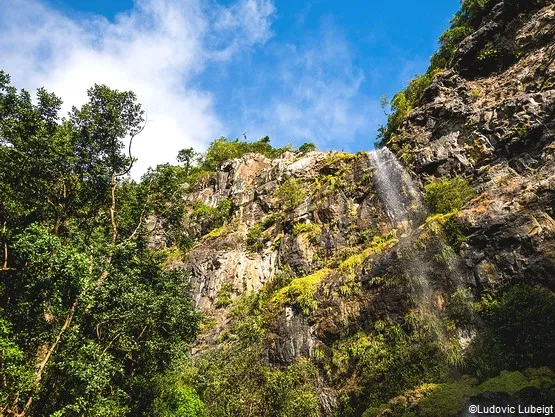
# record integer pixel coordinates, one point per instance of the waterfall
(404, 206)
(396, 189)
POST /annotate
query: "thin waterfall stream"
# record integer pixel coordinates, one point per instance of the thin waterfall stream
(396, 189)
(404, 206)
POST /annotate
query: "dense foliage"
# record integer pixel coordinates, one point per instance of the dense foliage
(518, 331)
(448, 195)
(89, 317)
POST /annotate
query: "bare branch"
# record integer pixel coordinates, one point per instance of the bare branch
(130, 144)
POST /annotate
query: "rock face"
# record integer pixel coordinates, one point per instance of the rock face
(337, 262)
(495, 124)
(250, 184)
(500, 22)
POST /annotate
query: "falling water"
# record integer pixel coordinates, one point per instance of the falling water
(396, 189)
(403, 204)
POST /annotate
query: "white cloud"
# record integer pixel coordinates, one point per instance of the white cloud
(319, 94)
(246, 20)
(155, 49)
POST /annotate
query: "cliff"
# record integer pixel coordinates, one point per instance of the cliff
(368, 284)
(493, 122)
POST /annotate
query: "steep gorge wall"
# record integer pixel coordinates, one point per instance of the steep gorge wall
(494, 122)
(332, 268)
(337, 198)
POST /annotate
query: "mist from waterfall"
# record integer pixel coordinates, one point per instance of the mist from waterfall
(403, 203)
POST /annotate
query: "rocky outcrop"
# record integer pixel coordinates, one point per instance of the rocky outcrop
(496, 126)
(336, 260)
(338, 203)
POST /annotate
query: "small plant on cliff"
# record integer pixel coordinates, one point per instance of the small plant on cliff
(300, 291)
(301, 228)
(461, 309)
(224, 295)
(445, 196)
(339, 157)
(379, 244)
(256, 236)
(208, 218)
(327, 185)
(488, 53)
(403, 102)
(312, 231)
(290, 194)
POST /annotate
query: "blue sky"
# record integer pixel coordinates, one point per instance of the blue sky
(294, 70)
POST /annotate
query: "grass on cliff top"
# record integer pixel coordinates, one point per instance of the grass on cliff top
(339, 157)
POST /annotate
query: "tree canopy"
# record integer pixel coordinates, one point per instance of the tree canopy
(89, 317)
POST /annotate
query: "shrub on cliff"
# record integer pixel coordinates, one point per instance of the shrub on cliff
(290, 194)
(222, 149)
(447, 195)
(207, 218)
(307, 147)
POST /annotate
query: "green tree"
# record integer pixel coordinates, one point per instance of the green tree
(307, 147)
(176, 398)
(89, 316)
(221, 150)
(186, 156)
